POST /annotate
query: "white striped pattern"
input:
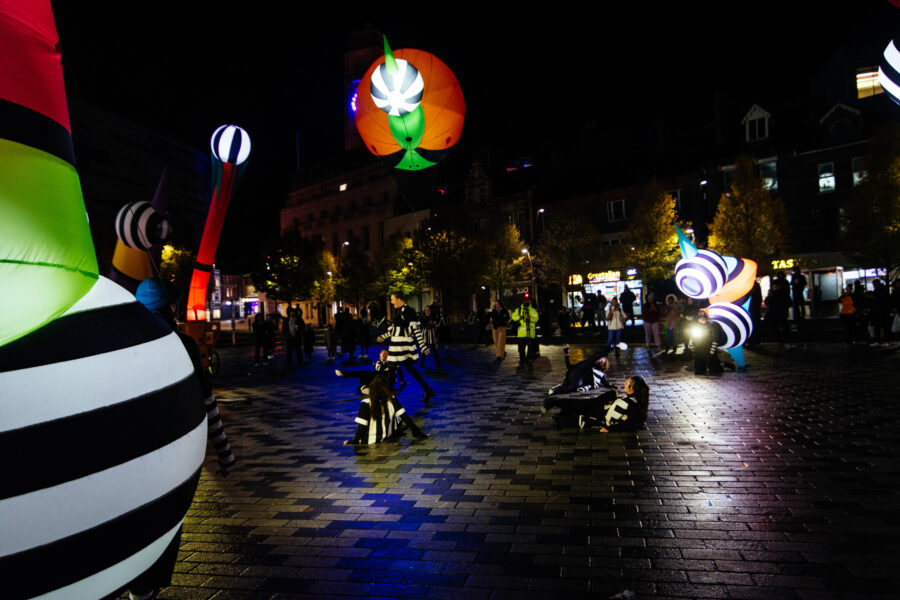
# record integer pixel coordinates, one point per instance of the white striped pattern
(398, 94)
(734, 321)
(35, 395)
(34, 519)
(702, 275)
(136, 226)
(60, 390)
(231, 144)
(104, 583)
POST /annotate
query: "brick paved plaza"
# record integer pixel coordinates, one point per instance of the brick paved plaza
(783, 482)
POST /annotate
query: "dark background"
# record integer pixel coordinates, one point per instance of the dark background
(531, 79)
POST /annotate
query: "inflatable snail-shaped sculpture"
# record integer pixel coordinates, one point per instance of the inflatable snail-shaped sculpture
(726, 282)
(102, 423)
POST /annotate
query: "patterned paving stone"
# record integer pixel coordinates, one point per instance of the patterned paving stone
(782, 482)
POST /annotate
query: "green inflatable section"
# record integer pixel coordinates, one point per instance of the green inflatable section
(47, 259)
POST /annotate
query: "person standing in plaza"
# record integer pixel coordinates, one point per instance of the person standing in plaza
(588, 312)
(444, 333)
(527, 317)
(798, 285)
(429, 334)
(626, 301)
(848, 314)
(402, 336)
(671, 316)
(615, 320)
(309, 342)
(499, 320)
(651, 315)
(293, 336)
(259, 339)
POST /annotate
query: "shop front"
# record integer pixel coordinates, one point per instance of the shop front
(826, 274)
(609, 284)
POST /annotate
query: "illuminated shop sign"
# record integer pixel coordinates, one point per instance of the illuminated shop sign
(783, 263)
(603, 277)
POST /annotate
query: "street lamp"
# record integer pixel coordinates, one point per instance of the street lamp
(533, 284)
(541, 212)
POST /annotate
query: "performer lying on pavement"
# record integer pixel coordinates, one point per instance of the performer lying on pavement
(608, 411)
(381, 417)
(589, 374)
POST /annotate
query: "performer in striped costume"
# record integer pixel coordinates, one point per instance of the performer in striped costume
(403, 335)
(380, 416)
(589, 374)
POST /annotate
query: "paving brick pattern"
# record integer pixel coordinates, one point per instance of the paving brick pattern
(783, 482)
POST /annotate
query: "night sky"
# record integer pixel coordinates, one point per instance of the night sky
(530, 78)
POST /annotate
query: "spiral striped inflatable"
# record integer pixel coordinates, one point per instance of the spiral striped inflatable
(398, 93)
(701, 275)
(139, 226)
(734, 322)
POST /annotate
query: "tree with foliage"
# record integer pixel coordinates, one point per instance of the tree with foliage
(291, 269)
(454, 265)
(354, 277)
(749, 222)
(397, 267)
(323, 288)
(651, 244)
(503, 250)
(870, 223)
(177, 267)
(567, 247)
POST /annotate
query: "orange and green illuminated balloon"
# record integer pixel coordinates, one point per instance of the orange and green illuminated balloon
(410, 109)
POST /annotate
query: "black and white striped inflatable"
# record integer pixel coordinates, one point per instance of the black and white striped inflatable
(230, 144)
(102, 433)
(702, 275)
(398, 94)
(734, 322)
(139, 226)
(889, 71)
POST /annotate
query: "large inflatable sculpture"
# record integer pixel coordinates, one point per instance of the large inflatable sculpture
(102, 425)
(230, 150)
(410, 109)
(726, 282)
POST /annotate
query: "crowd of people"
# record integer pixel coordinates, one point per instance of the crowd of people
(678, 326)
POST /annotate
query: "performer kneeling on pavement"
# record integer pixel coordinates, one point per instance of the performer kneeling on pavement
(589, 374)
(402, 346)
(380, 368)
(380, 417)
(705, 335)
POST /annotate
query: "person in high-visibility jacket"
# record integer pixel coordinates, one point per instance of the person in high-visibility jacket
(527, 316)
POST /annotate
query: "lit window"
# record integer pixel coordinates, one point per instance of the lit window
(615, 210)
(769, 174)
(826, 177)
(343, 187)
(859, 170)
(867, 83)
